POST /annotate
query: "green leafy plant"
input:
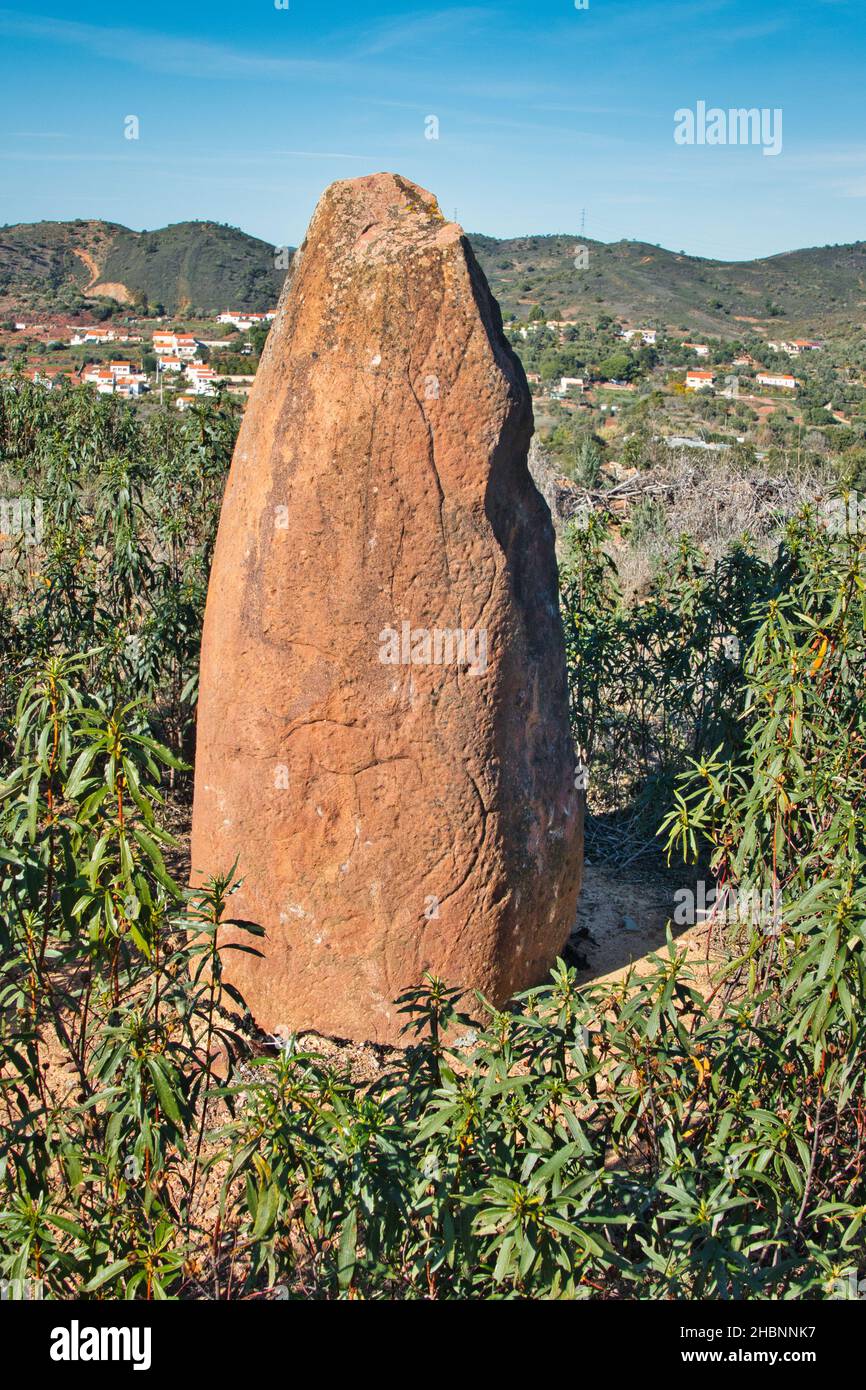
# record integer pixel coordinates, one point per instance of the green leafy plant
(651, 1138)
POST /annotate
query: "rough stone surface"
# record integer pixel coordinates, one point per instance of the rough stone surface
(564, 498)
(391, 815)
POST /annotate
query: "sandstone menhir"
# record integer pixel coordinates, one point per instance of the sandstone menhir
(383, 732)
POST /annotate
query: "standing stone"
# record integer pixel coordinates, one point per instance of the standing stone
(383, 733)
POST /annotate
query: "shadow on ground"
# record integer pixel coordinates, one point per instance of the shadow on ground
(623, 916)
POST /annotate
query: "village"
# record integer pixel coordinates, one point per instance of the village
(134, 357)
(695, 378)
(602, 391)
(183, 359)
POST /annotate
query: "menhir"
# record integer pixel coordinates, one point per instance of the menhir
(383, 731)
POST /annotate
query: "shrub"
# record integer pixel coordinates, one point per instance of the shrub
(641, 1139)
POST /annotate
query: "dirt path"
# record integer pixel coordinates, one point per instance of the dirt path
(621, 922)
(88, 260)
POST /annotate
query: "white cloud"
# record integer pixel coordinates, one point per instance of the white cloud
(160, 52)
(411, 29)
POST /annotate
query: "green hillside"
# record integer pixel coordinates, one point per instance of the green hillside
(50, 259)
(200, 264)
(187, 266)
(813, 290)
(209, 266)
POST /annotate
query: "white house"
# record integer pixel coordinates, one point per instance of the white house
(243, 320)
(95, 334)
(203, 378)
(699, 381)
(796, 347)
(97, 375)
(175, 344)
(185, 345)
(647, 335)
(110, 382)
(130, 386)
(777, 380)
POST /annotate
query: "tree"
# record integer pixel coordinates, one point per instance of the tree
(635, 451)
(618, 367)
(258, 336)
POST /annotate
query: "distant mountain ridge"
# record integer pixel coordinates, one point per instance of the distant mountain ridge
(208, 266)
(814, 290)
(185, 267)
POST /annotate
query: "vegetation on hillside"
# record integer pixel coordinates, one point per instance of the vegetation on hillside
(819, 286)
(637, 1140)
(209, 266)
(633, 411)
(188, 266)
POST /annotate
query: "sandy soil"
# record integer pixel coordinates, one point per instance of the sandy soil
(621, 921)
(111, 289)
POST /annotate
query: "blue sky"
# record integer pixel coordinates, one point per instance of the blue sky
(247, 111)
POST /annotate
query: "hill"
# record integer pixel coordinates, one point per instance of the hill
(186, 266)
(209, 266)
(816, 290)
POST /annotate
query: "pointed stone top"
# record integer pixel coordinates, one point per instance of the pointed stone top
(379, 213)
